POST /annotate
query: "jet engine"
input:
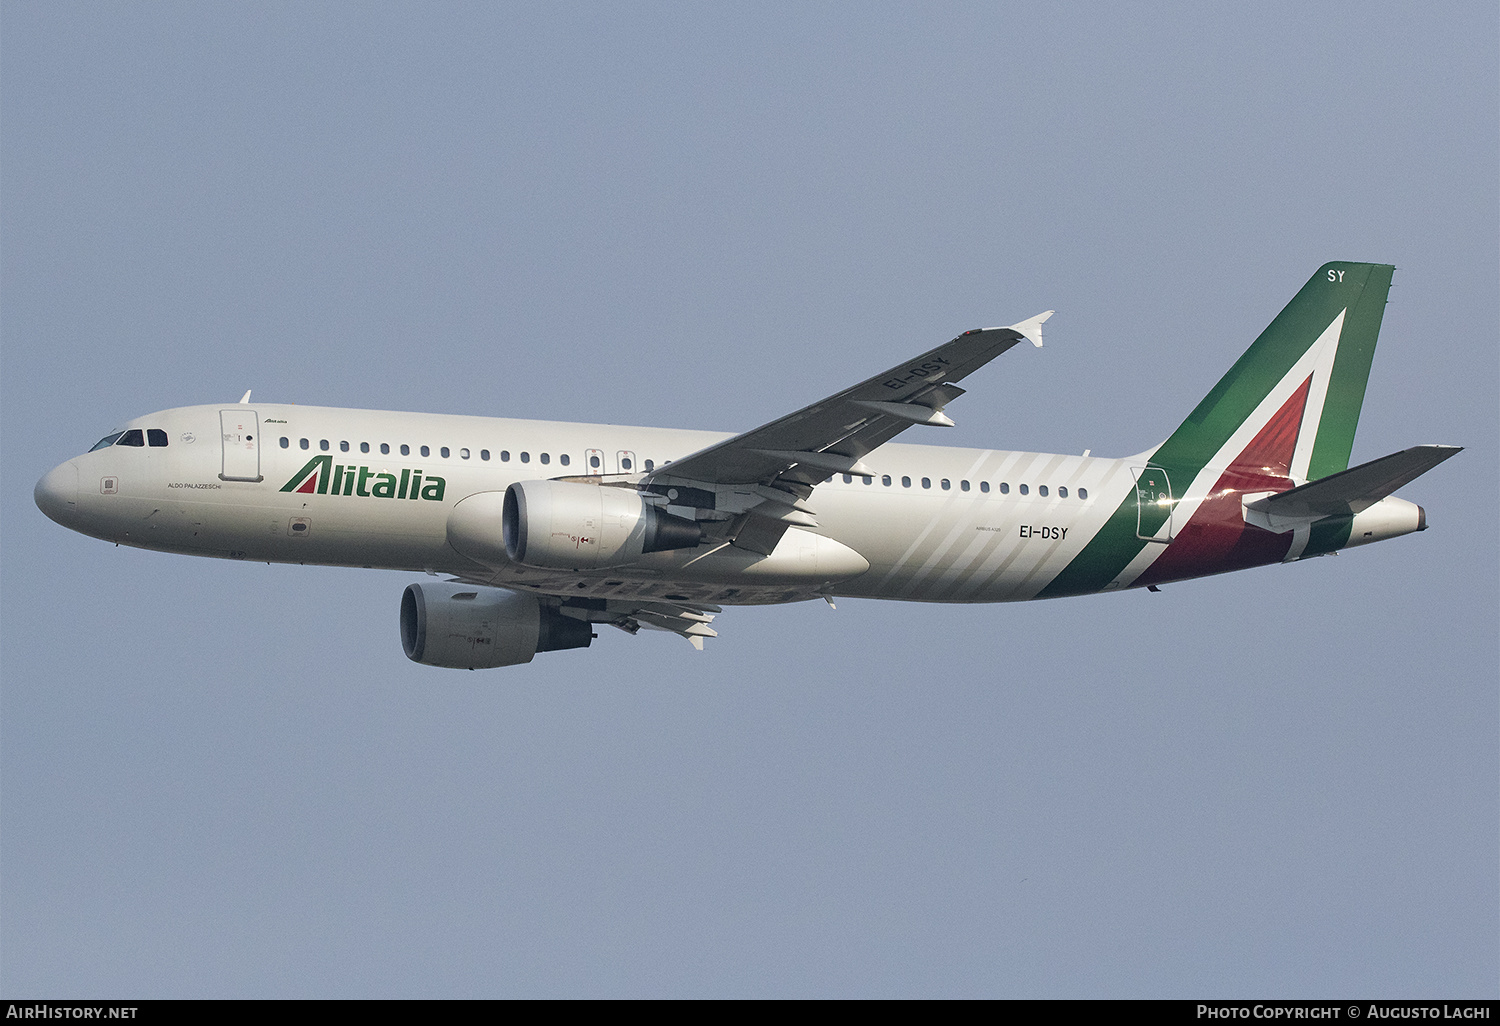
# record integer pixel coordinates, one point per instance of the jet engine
(559, 525)
(470, 628)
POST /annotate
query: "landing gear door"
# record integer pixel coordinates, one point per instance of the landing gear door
(1154, 503)
(241, 433)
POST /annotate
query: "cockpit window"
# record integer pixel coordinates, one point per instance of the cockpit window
(107, 441)
(135, 436)
(156, 437)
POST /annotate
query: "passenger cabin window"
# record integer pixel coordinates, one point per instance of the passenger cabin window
(546, 458)
(1023, 489)
(504, 455)
(484, 454)
(156, 437)
(946, 484)
(650, 466)
(343, 447)
(926, 482)
(525, 457)
(625, 462)
(385, 448)
(1042, 491)
(563, 459)
(405, 449)
(906, 482)
(323, 444)
(443, 452)
(1083, 493)
(425, 451)
(364, 446)
(1062, 493)
(1005, 488)
(286, 443)
(885, 479)
(133, 437)
(302, 443)
(463, 454)
(594, 462)
(964, 485)
(984, 486)
(107, 441)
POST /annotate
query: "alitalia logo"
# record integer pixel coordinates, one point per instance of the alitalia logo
(321, 476)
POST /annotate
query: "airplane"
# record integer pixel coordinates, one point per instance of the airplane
(545, 530)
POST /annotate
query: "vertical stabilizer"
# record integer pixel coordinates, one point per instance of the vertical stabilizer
(1324, 339)
(1285, 412)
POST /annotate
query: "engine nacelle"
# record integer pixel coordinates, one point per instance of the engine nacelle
(559, 525)
(469, 628)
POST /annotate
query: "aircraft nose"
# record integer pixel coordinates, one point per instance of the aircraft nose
(57, 492)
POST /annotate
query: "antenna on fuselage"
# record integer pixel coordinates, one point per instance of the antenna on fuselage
(245, 399)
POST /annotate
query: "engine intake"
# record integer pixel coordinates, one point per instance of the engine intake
(560, 525)
(469, 628)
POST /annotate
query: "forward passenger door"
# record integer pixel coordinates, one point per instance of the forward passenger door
(240, 429)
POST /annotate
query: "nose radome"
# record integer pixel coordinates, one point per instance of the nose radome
(57, 492)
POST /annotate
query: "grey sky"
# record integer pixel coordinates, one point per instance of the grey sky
(223, 779)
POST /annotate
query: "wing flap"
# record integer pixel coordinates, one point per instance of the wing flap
(687, 620)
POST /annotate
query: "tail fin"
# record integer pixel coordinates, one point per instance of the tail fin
(1302, 382)
(1286, 409)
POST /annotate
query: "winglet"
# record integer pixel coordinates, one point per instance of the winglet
(246, 397)
(1031, 328)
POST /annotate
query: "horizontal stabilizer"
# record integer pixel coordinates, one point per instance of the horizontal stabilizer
(1349, 491)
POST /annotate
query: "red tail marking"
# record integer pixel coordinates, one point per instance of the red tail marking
(1216, 538)
(1269, 454)
(309, 486)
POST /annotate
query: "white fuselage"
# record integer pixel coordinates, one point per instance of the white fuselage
(935, 524)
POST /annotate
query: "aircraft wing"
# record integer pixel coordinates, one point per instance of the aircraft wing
(786, 458)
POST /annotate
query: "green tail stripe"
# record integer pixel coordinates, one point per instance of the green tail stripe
(1351, 373)
(1358, 288)
(1360, 291)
